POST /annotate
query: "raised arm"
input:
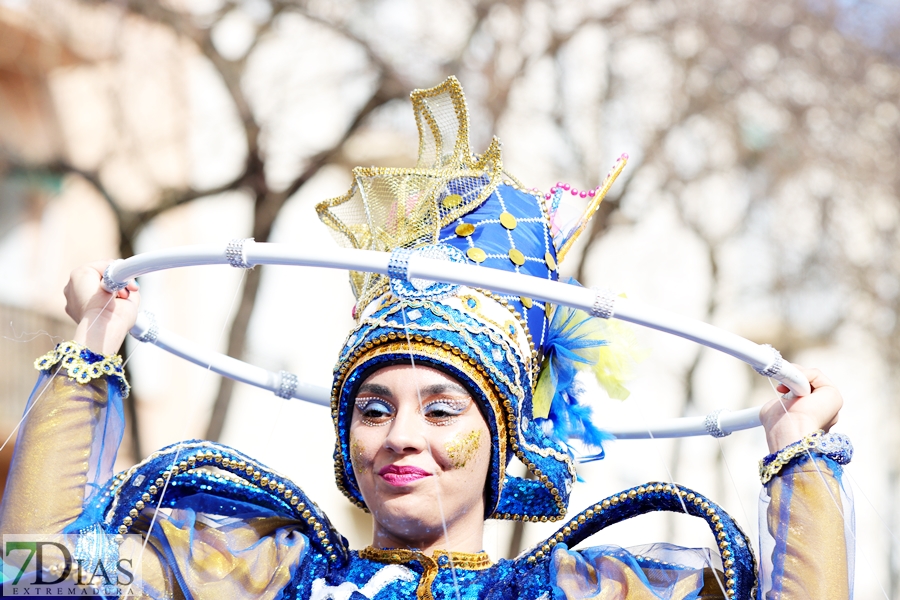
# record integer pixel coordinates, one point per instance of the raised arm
(64, 456)
(805, 516)
(56, 460)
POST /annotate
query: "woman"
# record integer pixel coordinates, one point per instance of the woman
(436, 390)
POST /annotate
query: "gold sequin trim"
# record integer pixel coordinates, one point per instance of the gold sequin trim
(68, 356)
(786, 455)
(241, 471)
(440, 559)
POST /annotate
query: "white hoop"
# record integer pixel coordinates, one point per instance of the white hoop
(764, 359)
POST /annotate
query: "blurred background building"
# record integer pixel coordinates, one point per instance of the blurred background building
(762, 195)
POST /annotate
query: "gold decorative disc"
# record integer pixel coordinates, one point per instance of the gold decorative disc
(548, 258)
(476, 254)
(507, 220)
(452, 201)
(517, 257)
(526, 301)
(465, 229)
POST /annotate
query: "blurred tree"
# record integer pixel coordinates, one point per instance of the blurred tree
(768, 129)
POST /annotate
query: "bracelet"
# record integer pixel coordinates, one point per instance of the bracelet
(83, 365)
(835, 446)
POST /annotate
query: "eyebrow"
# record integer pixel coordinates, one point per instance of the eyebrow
(374, 388)
(431, 390)
(443, 388)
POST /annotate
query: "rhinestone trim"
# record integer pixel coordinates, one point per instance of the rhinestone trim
(111, 284)
(713, 426)
(287, 385)
(236, 254)
(152, 334)
(774, 367)
(398, 265)
(604, 304)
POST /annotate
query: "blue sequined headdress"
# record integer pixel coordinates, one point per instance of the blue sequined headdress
(518, 356)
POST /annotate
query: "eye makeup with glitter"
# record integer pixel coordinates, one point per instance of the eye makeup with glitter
(445, 410)
(375, 411)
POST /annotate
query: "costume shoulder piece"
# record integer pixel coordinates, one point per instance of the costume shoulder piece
(214, 479)
(733, 545)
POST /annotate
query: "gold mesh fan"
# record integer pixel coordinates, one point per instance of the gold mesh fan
(389, 208)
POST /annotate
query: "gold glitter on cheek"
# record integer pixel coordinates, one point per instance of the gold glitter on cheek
(357, 457)
(462, 448)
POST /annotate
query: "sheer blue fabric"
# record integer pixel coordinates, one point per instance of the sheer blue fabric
(656, 571)
(805, 513)
(108, 423)
(256, 553)
(216, 539)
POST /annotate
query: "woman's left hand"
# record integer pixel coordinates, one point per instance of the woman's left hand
(787, 421)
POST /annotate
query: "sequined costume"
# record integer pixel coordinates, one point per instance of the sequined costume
(239, 530)
(226, 526)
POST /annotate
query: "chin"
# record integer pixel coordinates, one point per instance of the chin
(409, 517)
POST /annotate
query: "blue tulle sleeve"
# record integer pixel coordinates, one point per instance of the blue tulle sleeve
(108, 425)
(60, 481)
(65, 450)
(806, 532)
(657, 571)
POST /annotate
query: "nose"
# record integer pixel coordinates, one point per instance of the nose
(405, 435)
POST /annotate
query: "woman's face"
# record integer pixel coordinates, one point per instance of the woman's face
(419, 446)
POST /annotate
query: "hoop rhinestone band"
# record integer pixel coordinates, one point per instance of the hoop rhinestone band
(398, 265)
(235, 254)
(713, 427)
(287, 385)
(774, 368)
(152, 334)
(604, 304)
(111, 284)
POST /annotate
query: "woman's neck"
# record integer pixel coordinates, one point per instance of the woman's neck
(465, 535)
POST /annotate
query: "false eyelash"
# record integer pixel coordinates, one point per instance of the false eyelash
(454, 407)
(362, 404)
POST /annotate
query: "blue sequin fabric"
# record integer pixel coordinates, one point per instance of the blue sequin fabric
(213, 479)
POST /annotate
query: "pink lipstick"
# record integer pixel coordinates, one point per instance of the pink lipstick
(400, 476)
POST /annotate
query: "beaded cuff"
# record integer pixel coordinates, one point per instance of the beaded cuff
(83, 366)
(835, 446)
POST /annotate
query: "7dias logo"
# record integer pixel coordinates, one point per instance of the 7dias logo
(89, 564)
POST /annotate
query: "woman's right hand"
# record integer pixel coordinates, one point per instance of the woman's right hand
(103, 319)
